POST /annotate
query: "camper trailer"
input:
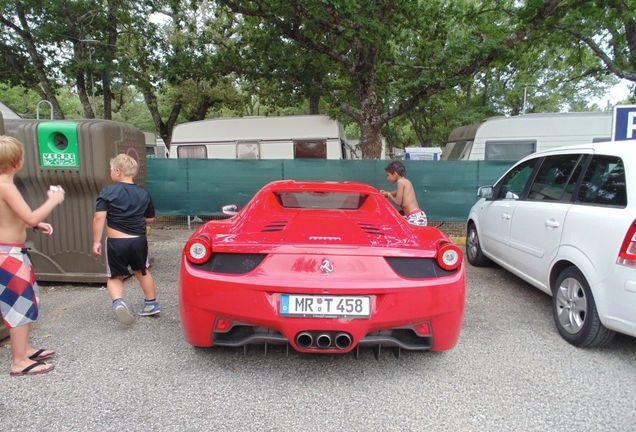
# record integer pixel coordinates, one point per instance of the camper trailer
(155, 148)
(512, 138)
(285, 137)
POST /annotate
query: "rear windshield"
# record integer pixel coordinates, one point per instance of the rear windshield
(321, 200)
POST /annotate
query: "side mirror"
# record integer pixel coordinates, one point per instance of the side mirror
(229, 209)
(484, 192)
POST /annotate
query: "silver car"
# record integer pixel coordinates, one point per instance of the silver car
(564, 220)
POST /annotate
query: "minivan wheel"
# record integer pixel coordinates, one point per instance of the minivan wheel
(575, 313)
(473, 248)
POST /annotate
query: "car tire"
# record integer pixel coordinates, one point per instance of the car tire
(574, 311)
(473, 248)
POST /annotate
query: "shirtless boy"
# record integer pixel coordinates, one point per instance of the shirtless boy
(404, 196)
(19, 294)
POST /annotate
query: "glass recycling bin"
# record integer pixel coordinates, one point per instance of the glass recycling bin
(75, 155)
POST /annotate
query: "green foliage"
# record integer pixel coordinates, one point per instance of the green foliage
(409, 69)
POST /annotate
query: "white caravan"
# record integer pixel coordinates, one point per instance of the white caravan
(285, 137)
(512, 138)
(155, 148)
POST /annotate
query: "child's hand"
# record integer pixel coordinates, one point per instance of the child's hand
(97, 248)
(56, 193)
(44, 228)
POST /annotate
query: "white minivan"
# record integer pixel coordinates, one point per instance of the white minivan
(564, 220)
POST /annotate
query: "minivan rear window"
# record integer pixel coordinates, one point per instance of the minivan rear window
(604, 182)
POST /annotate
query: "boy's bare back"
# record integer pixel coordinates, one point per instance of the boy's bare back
(406, 191)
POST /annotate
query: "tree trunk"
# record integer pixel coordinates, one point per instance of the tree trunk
(80, 82)
(108, 59)
(370, 141)
(314, 103)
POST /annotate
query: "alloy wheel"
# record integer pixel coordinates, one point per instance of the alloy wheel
(571, 305)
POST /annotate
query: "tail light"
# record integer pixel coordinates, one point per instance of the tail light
(449, 256)
(627, 254)
(198, 249)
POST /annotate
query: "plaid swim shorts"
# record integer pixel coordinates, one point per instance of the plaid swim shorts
(18, 289)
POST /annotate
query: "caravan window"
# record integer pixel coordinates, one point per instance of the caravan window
(248, 150)
(509, 150)
(192, 152)
(310, 149)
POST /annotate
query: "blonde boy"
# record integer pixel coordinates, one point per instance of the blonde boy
(126, 208)
(19, 302)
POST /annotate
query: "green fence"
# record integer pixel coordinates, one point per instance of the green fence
(445, 189)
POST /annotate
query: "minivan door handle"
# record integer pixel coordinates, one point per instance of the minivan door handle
(551, 224)
(505, 216)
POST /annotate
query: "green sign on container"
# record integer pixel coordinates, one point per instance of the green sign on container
(57, 145)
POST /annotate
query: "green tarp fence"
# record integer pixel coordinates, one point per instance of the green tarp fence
(445, 189)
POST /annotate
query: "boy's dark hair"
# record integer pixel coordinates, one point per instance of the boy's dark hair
(396, 167)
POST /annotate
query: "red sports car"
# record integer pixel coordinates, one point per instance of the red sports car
(324, 267)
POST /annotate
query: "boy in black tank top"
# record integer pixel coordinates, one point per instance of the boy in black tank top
(126, 208)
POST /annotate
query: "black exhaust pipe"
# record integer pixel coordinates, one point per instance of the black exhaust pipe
(304, 340)
(343, 341)
(323, 341)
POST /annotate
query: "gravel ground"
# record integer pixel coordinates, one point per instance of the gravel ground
(510, 371)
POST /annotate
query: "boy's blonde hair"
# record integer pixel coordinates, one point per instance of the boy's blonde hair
(125, 163)
(11, 153)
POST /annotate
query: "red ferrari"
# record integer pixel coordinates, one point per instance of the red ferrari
(324, 267)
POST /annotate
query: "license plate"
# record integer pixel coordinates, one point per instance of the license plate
(324, 306)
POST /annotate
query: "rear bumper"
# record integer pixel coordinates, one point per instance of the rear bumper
(397, 305)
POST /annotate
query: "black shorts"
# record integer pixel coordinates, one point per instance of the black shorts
(122, 253)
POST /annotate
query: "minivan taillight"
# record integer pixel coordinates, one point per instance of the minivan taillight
(627, 254)
(198, 250)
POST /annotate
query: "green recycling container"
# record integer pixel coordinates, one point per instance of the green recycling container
(75, 155)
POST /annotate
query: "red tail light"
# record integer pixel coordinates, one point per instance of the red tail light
(627, 254)
(449, 256)
(198, 249)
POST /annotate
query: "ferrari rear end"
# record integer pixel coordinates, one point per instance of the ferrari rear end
(322, 282)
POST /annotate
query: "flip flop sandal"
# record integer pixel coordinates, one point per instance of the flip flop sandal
(39, 356)
(29, 369)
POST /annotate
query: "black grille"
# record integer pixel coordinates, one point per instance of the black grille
(371, 229)
(232, 263)
(418, 268)
(275, 226)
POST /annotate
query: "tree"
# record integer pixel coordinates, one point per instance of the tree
(608, 28)
(387, 56)
(178, 59)
(20, 37)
